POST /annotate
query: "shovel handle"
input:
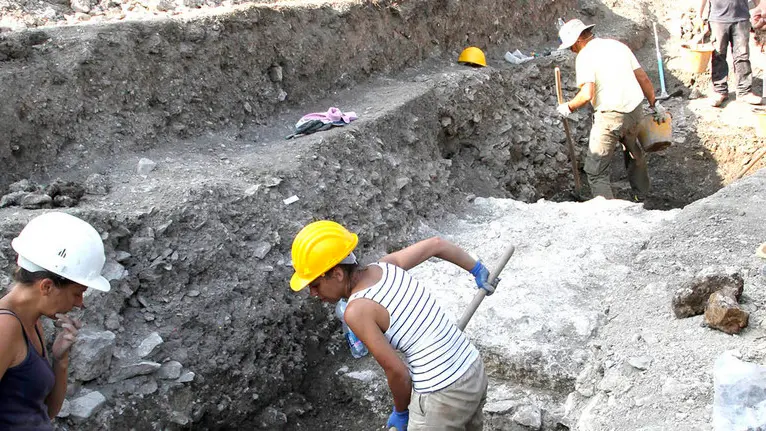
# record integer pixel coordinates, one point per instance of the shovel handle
(570, 143)
(482, 293)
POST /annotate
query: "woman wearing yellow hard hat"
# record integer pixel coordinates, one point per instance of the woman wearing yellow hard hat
(442, 384)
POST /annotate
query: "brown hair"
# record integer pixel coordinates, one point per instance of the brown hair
(22, 276)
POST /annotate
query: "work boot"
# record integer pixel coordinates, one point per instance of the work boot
(750, 98)
(717, 99)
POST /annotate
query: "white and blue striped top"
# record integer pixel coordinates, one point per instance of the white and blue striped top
(436, 351)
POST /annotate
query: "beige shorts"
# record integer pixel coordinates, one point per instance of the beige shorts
(457, 407)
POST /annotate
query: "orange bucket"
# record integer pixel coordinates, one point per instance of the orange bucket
(760, 122)
(697, 57)
(655, 136)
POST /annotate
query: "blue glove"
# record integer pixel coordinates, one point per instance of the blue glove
(398, 420)
(481, 273)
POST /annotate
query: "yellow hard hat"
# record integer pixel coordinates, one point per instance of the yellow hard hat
(318, 247)
(473, 56)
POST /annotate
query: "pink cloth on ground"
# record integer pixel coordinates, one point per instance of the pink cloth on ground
(333, 115)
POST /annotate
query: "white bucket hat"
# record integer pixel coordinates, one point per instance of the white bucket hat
(569, 32)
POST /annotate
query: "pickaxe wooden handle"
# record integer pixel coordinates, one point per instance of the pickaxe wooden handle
(570, 143)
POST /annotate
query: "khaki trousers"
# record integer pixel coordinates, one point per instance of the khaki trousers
(611, 128)
(457, 407)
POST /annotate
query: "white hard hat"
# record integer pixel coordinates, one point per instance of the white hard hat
(570, 31)
(64, 245)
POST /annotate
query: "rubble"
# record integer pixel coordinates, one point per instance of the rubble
(692, 297)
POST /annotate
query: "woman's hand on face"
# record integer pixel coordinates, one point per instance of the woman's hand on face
(66, 336)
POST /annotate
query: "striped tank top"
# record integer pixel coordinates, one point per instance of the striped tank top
(437, 352)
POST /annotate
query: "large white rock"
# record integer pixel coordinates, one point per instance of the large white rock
(91, 355)
(148, 345)
(86, 405)
(740, 394)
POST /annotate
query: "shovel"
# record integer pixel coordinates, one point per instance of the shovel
(664, 93)
(468, 313)
(570, 144)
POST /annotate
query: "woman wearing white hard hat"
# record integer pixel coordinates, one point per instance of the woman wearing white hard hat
(59, 257)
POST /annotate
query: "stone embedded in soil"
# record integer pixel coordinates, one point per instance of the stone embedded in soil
(65, 201)
(145, 166)
(96, 184)
(272, 418)
(36, 201)
(11, 199)
(136, 369)
(91, 354)
(692, 297)
(186, 377)
(83, 6)
(149, 344)
(65, 188)
(86, 405)
(22, 186)
(528, 416)
(113, 270)
(275, 74)
(170, 370)
(724, 313)
(640, 362)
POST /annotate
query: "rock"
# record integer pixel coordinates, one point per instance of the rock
(122, 256)
(36, 201)
(145, 166)
(366, 376)
(281, 95)
(96, 184)
(170, 370)
(186, 377)
(275, 73)
(640, 362)
(12, 199)
(694, 94)
(528, 416)
(92, 354)
(86, 405)
(272, 418)
(724, 313)
(247, 108)
(401, 182)
(83, 6)
(261, 249)
(65, 201)
(148, 345)
(22, 186)
(614, 382)
(740, 391)
(179, 418)
(692, 297)
(65, 188)
(65, 410)
(148, 388)
(113, 270)
(132, 370)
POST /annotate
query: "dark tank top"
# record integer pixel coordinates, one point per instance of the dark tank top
(24, 387)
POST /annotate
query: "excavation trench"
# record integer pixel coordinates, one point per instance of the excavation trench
(198, 248)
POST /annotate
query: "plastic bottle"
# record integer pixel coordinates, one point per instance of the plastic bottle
(559, 23)
(358, 349)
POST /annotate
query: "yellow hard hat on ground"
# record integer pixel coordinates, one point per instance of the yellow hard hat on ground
(318, 247)
(473, 56)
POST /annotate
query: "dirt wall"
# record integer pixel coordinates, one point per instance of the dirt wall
(111, 88)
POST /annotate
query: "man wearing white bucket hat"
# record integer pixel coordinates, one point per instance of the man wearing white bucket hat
(611, 79)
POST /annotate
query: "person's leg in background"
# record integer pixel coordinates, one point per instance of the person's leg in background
(719, 69)
(740, 47)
